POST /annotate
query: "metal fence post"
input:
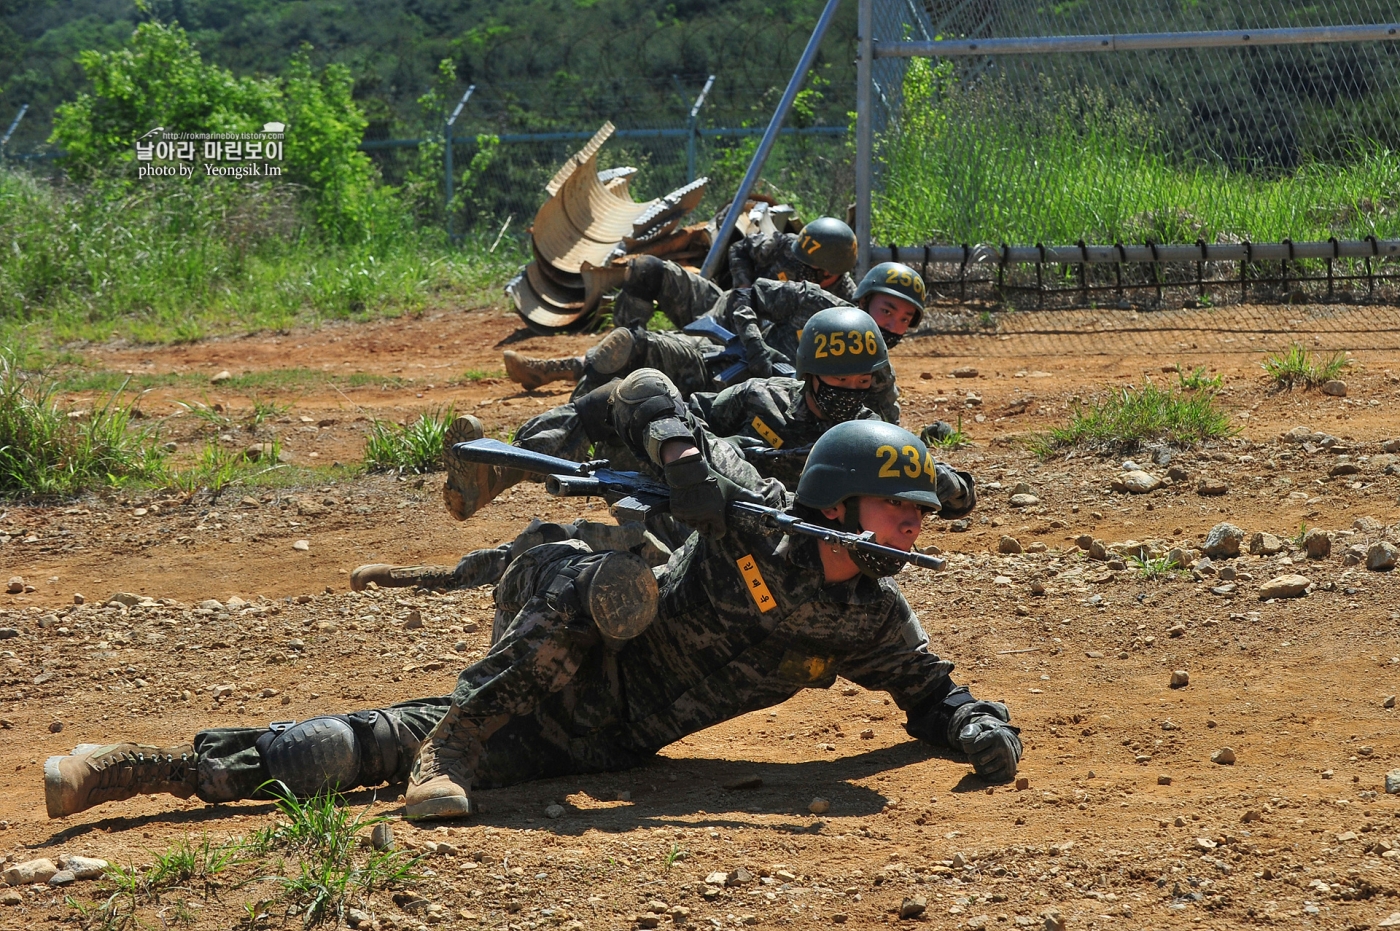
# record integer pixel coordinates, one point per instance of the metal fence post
(25, 108)
(765, 145)
(691, 130)
(447, 160)
(865, 138)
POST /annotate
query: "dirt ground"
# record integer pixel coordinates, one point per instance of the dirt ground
(1123, 820)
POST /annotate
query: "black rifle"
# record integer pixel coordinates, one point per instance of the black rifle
(730, 361)
(633, 496)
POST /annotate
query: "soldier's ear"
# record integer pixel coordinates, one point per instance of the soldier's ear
(837, 513)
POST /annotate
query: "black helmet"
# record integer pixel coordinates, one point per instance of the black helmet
(868, 457)
(840, 341)
(828, 244)
(897, 280)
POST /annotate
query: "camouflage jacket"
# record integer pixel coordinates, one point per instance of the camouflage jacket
(770, 255)
(771, 422)
(746, 622)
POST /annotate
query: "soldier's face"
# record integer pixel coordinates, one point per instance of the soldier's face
(891, 313)
(895, 523)
(852, 382)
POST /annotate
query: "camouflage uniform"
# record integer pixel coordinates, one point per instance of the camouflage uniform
(682, 297)
(680, 355)
(745, 621)
(764, 414)
(771, 255)
(777, 312)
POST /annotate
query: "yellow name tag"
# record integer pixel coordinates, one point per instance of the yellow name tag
(767, 433)
(757, 587)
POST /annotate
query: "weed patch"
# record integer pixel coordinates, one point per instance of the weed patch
(416, 447)
(1131, 417)
(1296, 366)
(48, 451)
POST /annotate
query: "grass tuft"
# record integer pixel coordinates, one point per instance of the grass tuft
(1296, 366)
(48, 451)
(1150, 568)
(333, 871)
(415, 448)
(1197, 379)
(1131, 417)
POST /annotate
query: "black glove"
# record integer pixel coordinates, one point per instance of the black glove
(936, 432)
(699, 496)
(982, 730)
(760, 357)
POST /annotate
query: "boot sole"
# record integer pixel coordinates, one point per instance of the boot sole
(454, 806)
(614, 352)
(461, 430)
(622, 596)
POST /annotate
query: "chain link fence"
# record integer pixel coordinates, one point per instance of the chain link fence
(1232, 145)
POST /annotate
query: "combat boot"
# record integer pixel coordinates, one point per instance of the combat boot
(613, 352)
(440, 784)
(471, 485)
(386, 576)
(93, 774)
(532, 373)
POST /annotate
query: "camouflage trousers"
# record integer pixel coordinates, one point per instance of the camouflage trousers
(680, 355)
(682, 297)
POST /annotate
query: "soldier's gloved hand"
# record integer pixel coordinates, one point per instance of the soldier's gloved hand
(760, 357)
(699, 496)
(936, 432)
(983, 731)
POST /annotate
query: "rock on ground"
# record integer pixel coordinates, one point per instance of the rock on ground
(1223, 541)
(1136, 482)
(30, 871)
(1382, 556)
(1284, 586)
(1317, 543)
(1265, 544)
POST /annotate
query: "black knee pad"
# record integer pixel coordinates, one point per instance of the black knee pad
(337, 752)
(644, 277)
(595, 412)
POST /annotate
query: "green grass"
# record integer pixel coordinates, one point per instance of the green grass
(475, 375)
(1159, 568)
(173, 263)
(416, 447)
(1296, 366)
(1197, 379)
(45, 451)
(955, 440)
(332, 871)
(977, 163)
(1130, 417)
(312, 855)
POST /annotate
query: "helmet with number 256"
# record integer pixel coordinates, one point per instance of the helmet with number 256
(868, 457)
(840, 341)
(897, 280)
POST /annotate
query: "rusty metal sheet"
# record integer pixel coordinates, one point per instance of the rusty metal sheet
(540, 317)
(593, 210)
(563, 245)
(589, 151)
(550, 293)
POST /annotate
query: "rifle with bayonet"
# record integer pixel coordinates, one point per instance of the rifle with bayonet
(634, 496)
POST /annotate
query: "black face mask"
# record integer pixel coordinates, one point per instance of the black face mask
(876, 567)
(891, 339)
(839, 405)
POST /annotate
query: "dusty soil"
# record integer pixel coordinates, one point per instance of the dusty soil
(1124, 821)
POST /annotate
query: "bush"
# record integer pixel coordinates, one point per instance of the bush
(159, 79)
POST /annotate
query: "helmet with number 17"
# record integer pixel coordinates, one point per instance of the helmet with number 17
(898, 281)
(827, 244)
